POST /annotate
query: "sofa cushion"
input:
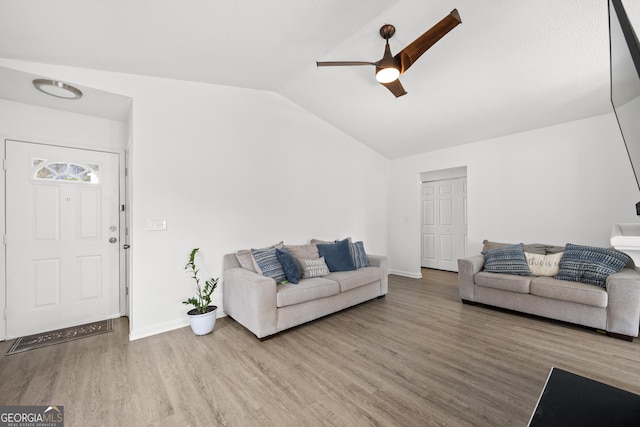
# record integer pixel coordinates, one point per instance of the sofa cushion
(554, 249)
(313, 267)
(307, 251)
(306, 290)
(353, 279)
(320, 241)
(291, 268)
(563, 290)
(533, 248)
(269, 265)
(337, 255)
(588, 264)
(507, 259)
(506, 282)
(246, 260)
(543, 265)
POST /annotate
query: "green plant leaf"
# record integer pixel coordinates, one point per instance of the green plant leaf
(202, 300)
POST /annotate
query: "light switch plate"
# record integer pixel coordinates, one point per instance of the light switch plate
(157, 225)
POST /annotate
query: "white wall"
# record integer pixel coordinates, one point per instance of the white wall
(37, 124)
(30, 123)
(566, 183)
(228, 169)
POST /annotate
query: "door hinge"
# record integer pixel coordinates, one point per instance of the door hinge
(5, 314)
(4, 164)
(121, 208)
(4, 238)
(126, 290)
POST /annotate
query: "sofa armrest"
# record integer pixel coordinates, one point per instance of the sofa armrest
(381, 261)
(250, 299)
(467, 269)
(378, 261)
(623, 309)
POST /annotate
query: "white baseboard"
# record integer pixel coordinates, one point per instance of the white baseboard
(163, 327)
(406, 274)
(139, 333)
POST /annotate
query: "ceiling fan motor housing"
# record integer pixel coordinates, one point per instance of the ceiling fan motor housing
(387, 31)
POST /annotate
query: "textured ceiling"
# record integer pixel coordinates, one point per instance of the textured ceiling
(512, 65)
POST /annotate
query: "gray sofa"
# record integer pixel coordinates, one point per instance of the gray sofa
(614, 309)
(266, 308)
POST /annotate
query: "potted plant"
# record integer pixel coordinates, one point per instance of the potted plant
(203, 316)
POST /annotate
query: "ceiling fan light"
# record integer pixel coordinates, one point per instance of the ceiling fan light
(57, 89)
(387, 75)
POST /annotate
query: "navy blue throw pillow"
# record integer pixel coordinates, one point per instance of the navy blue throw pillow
(337, 255)
(290, 265)
(588, 264)
(507, 260)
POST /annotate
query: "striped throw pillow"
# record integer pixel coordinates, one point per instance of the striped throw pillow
(507, 260)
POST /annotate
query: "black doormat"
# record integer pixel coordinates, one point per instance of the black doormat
(61, 335)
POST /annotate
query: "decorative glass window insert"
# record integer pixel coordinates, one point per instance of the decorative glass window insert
(66, 171)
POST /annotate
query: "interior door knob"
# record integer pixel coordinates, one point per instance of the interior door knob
(113, 240)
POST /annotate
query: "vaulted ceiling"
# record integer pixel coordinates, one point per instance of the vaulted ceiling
(512, 65)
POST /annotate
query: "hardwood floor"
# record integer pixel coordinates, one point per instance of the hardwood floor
(418, 357)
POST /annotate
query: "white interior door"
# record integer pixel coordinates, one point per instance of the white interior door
(62, 232)
(444, 223)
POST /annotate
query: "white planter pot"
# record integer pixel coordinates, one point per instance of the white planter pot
(202, 324)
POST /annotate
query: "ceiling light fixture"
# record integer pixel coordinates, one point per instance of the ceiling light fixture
(387, 69)
(57, 89)
(387, 75)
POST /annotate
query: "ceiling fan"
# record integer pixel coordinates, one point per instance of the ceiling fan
(389, 68)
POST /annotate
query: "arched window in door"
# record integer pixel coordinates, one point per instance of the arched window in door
(66, 171)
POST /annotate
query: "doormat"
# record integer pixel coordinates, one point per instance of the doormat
(60, 335)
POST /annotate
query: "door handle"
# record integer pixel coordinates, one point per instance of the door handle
(113, 240)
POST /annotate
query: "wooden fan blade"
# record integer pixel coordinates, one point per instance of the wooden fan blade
(342, 63)
(410, 54)
(395, 87)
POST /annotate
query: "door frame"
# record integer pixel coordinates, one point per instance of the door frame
(124, 261)
(440, 175)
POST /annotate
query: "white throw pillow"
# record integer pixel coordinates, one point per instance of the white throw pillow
(313, 267)
(544, 265)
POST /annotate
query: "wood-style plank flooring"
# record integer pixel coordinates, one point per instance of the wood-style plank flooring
(418, 357)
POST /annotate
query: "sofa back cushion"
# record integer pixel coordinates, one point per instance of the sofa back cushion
(532, 248)
(308, 251)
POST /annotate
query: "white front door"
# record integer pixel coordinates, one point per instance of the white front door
(62, 232)
(444, 223)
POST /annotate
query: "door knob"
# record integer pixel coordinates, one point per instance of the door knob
(113, 240)
(126, 246)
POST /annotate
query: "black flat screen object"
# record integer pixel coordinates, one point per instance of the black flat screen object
(572, 400)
